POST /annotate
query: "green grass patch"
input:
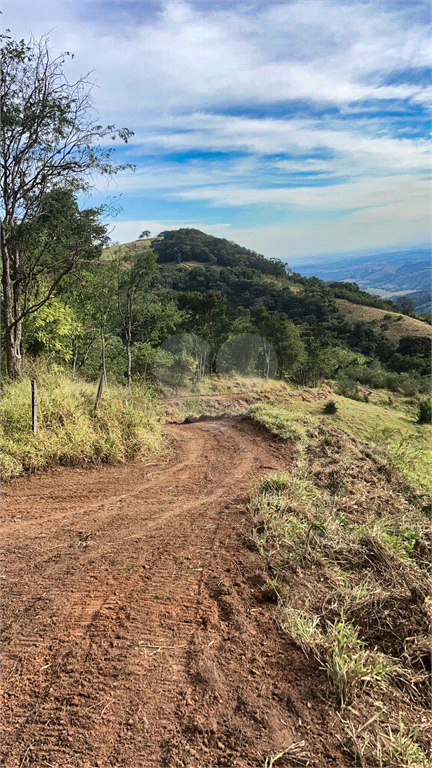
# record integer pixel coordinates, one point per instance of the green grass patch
(283, 420)
(127, 423)
(337, 648)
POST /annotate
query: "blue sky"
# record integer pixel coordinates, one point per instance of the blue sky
(294, 127)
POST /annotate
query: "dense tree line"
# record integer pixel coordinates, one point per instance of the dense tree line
(352, 292)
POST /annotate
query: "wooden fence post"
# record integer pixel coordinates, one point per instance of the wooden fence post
(34, 406)
(99, 393)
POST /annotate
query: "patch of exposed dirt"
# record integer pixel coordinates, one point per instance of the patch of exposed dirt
(207, 407)
(137, 627)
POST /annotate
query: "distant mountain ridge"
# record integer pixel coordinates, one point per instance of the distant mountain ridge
(388, 275)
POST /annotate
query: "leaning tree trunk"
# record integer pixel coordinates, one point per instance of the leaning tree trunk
(128, 334)
(103, 357)
(74, 359)
(13, 351)
(267, 356)
(129, 352)
(11, 314)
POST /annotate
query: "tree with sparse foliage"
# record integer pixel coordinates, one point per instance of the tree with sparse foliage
(144, 234)
(97, 305)
(50, 143)
(134, 272)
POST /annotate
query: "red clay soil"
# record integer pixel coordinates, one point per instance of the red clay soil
(135, 628)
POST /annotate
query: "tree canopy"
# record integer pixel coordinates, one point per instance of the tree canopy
(50, 144)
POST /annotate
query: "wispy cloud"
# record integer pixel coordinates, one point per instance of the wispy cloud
(367, 194)
(286, 111)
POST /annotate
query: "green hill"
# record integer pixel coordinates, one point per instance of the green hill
(192, 245)
(317, 329)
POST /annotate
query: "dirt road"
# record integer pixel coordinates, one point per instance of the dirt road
(135, 632)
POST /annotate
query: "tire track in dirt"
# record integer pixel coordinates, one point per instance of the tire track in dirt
(134, 630)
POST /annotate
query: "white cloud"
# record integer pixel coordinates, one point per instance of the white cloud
(173, 75)
(358, 150)
(189, 57)
(368, 193)
(170, 176)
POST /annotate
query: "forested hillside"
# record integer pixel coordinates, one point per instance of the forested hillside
(216, 289)
(111, 312)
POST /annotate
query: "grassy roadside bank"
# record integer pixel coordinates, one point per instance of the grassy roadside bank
(346, 540)
(127, 424)
(391, 430)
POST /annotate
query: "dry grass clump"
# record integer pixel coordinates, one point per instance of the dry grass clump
(217, 395)
(127, 423)
(380, 611)
(409, 452)
(232, 384)
(399, 743)
(347, 546)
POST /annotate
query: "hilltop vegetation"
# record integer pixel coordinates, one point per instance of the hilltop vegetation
(256, 295)
(192, 245)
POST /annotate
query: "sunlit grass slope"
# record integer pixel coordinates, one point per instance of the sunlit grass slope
(389, 424)
(390, 428)
(393, 325)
